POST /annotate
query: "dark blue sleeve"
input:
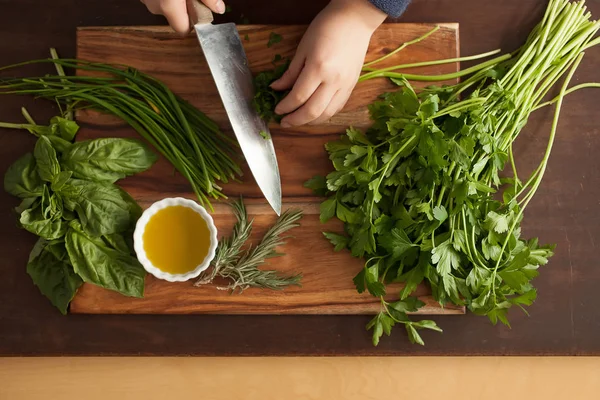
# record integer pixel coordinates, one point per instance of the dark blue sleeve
(393, 8)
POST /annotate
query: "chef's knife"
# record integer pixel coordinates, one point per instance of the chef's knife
(228, 64)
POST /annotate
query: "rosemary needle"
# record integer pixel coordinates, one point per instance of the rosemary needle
(240, 265)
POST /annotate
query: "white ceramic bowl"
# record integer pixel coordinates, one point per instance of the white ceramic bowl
(138, 239)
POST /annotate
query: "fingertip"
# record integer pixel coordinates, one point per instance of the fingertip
(276, 84)
(220, 7)
(283, 83)
(181, 30)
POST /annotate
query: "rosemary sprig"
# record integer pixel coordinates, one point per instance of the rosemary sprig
(241, 265)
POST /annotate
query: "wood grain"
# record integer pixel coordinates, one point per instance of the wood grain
(563, 321)
(327, 286)
(275, 378)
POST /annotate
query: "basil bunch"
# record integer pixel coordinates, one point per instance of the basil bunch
(85, 222)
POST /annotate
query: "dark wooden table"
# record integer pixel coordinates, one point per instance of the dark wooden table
(564, 321)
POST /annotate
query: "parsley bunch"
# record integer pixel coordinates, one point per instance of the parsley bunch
(266, 98)
(420, 193)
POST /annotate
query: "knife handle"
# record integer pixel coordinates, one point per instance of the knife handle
(199, 13)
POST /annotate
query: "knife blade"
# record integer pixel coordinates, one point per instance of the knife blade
(228, 65)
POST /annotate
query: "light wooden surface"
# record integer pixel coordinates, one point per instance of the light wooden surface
(327, 286)
(299, 378)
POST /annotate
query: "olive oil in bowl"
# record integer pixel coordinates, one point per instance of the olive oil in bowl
(175, 239)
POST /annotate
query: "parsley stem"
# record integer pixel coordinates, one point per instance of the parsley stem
(514, 167)
(540, 173)
(434, 62)
(461, 106)
(403, 46)
(434, 78)
(408, 143)
(571, 90)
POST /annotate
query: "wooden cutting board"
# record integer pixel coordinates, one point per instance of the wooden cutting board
(327, 286)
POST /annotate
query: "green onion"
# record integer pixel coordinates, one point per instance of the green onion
(185, 136)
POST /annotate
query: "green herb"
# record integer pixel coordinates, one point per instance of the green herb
(266, 98)
(228, 9)
(97, 262)
(84, 221)
(22, 179)
(51, 271)
(274, 38)
(265, 135)
(107, 160)
(418, 192)
(246, 37)
(277, 59)
(185, 136)
(100, 207)
(59, 127)
(46, 160)
(238, 263)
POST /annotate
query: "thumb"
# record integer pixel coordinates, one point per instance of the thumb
(289, 77)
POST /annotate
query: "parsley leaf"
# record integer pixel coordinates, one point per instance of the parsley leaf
(413, 335)
(427, 324)
(359, 281)
(318, 185)
(497, 222)
(414, 277)
(440, 213)
(446, 258)
(339, 242)
(374, 286)
(266, 98)
(274, 38)
(410, 304)
(328, 208)
(381, 323)
(396, 242)
(265, 135)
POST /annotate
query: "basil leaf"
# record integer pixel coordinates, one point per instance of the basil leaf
(53, 275)
(33, 221)
(60, 180)
(135, 210)
(41, 130)
(107, 160)
(66, 128)
(118, 242)
(97, 263)
(22, 179)
(100, 208)
(68, 215)
(60, 145)
(45, 157)
(55, 209)
(58, 249)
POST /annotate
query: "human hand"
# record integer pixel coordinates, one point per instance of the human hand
(176, 11)
(328, 62)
